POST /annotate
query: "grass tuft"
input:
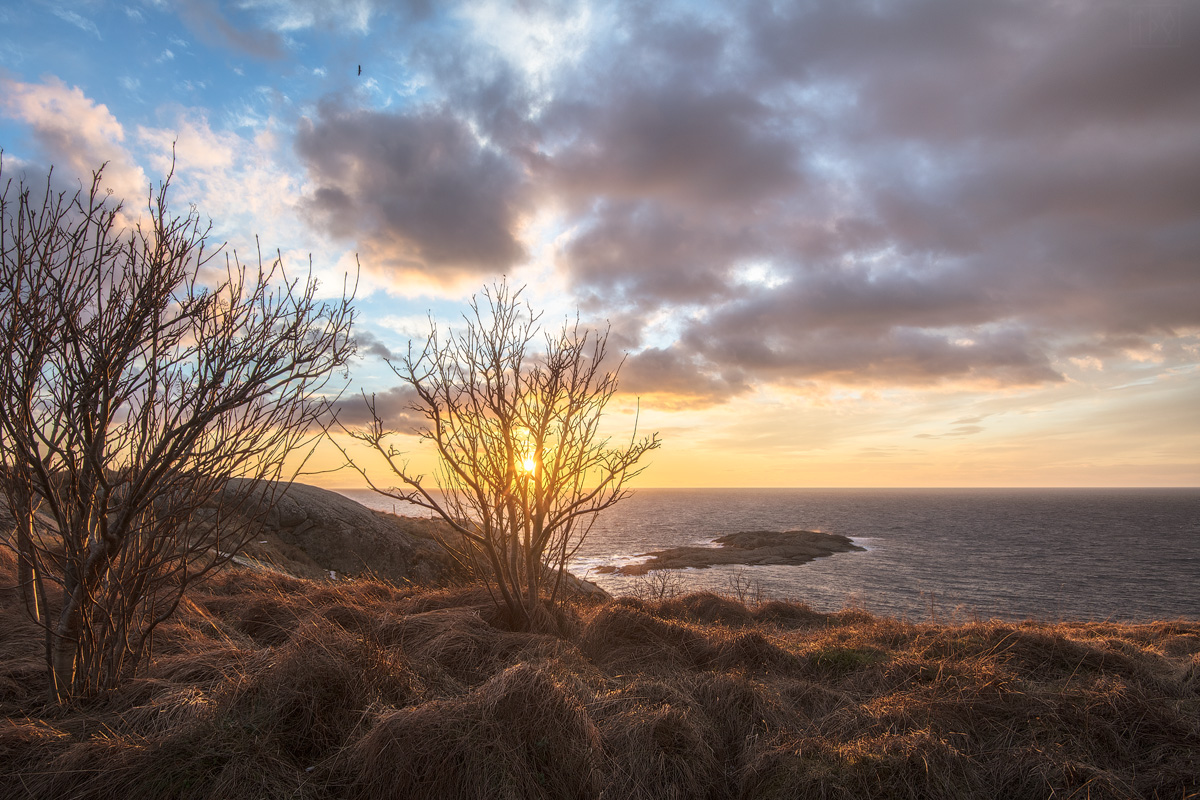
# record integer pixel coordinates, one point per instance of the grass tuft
(265, 686)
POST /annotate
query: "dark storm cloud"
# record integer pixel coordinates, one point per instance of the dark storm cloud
(942, 190)
(418, 191)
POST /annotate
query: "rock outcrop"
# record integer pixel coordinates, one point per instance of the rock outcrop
(750, 548)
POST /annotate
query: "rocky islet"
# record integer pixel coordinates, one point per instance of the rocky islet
(748, 548)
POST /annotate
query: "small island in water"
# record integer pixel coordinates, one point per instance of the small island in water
(749, 548)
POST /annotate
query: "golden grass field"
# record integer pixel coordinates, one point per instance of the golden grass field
(266, 686)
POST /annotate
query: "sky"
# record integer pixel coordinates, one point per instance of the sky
(841, 243)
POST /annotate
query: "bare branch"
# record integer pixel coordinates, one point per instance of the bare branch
(523, 469)
(143, 415)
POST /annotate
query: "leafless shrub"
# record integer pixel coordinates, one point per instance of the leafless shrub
(743, 588)
(132, 399)
(657, 585)
(524, 469)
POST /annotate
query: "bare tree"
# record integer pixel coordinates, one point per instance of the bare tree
(132, 399)
(524, 468)
(657, 585)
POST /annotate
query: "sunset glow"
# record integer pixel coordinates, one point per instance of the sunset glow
(600, 398)
(922, 243)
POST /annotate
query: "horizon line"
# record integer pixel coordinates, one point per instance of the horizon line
(872, 488)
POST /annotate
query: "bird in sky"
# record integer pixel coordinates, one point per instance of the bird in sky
(360, 69)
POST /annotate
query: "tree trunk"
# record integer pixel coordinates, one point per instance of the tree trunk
(27, 571)
(533, 574)
(64, 646)
(511, 594)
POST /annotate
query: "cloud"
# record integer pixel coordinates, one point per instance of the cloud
(76, 134)
(371, 345)
(671, 378)
(206, 19)
(83, 23)
(233, 179)
(393, 406)
(921, 193)
(418, 191)
(285, 16)
(1036, 143)
(938, 192)
(708, 148)
(961, 430)
(260, 27)
(648, 254)
(764, 335)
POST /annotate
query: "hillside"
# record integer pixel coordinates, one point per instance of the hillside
(322, 535)
(319, 534)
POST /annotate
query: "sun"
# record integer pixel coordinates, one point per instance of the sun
(526, 455)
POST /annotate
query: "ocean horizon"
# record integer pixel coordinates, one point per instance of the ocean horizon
(1128, 554)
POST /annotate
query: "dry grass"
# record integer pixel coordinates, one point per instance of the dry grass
(267, 686)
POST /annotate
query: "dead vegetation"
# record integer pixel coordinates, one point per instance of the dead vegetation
(266, 686)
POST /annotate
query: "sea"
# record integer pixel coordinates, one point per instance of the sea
(1130, 555)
